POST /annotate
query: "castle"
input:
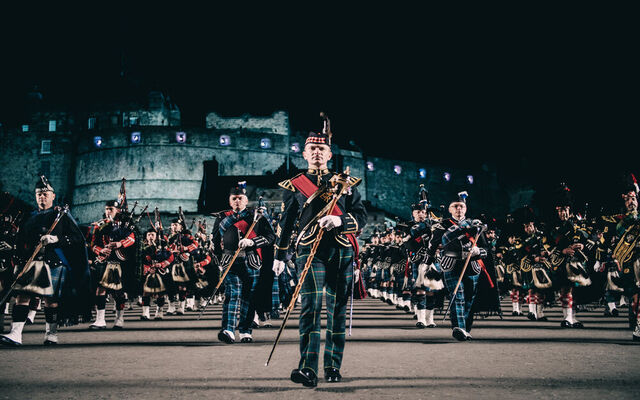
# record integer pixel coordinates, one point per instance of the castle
(85, 154)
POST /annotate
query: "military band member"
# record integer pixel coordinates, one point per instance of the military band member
(536, 270)
(156, 259)
(111, 240)
(183, 273)
(623, 265)
(331, 268)
(456, 237)
(59, 273)
(231, 233)
(508, 253)
(206, 269)
(425, 279)
(567, 258)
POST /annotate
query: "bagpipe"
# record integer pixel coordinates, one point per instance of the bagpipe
(36, 275)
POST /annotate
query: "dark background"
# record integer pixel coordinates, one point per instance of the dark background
(545, 95)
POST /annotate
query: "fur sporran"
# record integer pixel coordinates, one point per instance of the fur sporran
(112, 276)
(500, 271)
(577, 273)
(36, 280)
(153, 284)
(179, 273)
(614, 282)
(541, 278)
(429, 277)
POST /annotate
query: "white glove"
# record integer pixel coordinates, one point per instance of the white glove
(49, 239)
(278, 267)
(245, 243)
(329, 222)
(356, 276)
(475, 251)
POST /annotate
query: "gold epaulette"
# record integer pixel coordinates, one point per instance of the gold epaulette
(609, 218)
(286, 184)
(353, 181)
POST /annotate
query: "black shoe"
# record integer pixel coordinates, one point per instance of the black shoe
(144, 318)
(459, 335)
(28, 322)
(577, 325)
(543, 319)
(432, 326)
(117, 328)
(531, 316)
(97, 328)
(305, 376)
(332, 375)
(415, 316)
(246, 340)
(420, 325)
(515, 313)
(565, 324)
(5, 341)
(50, 343)
(615, 312)
(406, 309)
(224, 337)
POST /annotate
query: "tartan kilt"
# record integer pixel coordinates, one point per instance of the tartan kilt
(109, 275)
(46, 282)
(153, 284)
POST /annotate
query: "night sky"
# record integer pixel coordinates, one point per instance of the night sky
(544, 97)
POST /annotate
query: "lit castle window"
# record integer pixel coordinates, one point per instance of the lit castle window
(181, 137)
(97, 141)
(295, 147)
(446, 176)
(225, 140)
(370, 166)
(422, 173)
(397, 169)
(135, 137)
(470, 179)
(265, 143)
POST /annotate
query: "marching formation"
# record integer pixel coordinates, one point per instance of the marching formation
(568, 262)
(311, 251)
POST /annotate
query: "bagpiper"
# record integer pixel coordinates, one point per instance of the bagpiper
(305, 196)
(623, 265)
(239, 237)
(111, 244)
(534, 266)
(424, 279)
(58, 271)
(183, 273)
(156, 259)
(568, 261)
(508, 250)
(460, 240)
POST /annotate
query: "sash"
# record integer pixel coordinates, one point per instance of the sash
(243, 227)
(308, 188)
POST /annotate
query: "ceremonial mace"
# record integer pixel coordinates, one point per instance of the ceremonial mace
(466, 263)
(61, 212)
(256, 216)
(341, 180)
